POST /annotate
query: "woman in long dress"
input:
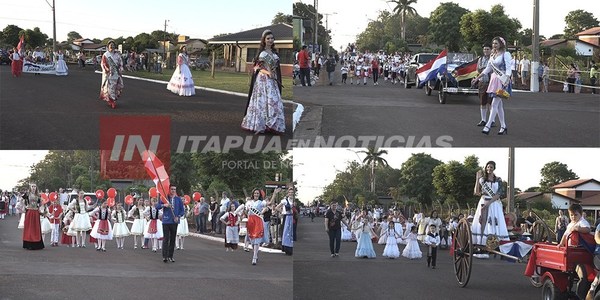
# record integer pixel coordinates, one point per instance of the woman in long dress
(112, 80)
(231, 221)
(61, 65)
(489, 217)
(264, 110)
(181, 82)
(16, 63)
(32, 230)
(364, 247)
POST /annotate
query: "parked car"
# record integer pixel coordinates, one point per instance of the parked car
(201, 63)
(417, 61)
(90, 61)
(92, 196)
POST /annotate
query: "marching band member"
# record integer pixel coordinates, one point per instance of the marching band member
(120, 230)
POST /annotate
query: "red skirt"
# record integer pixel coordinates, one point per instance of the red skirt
(32, 231)
(103, 227)
(152, 227)
(17, 67)
(255, 227)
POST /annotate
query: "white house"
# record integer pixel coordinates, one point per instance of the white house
(583, 191)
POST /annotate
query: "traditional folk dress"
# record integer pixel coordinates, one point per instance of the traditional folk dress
(412, 251)
(383, 230)
(102, 228)
(398, 226)
(55, 214)
(232, 237)
(432, 240)
(255, 225)
(67, 232)
(3, 206)
(81, 220)
(495, 224)
(32, 230)
(45, 225)
(422, 229)
(391, 246)
(287, 241)
(183, 227)
(364, 247)
(153, 228)
(181, 82)
(61, 66)
(120, 229)
(17, 64)
(112, 81)
(264, 111)
(139, 222)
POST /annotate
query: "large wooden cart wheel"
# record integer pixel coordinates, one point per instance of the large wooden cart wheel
(539, 232)
(463, 252)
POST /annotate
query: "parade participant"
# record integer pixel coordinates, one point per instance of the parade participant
(181, 82)
(333, 227)
(264, 110)
(256, 225)
(489, 216)
(154, 228)
(484, 98)
(375, 69)
(55, 214)
(172, 213)
(102, 230)
(183, 228)
(61, 66)
(578, 224)
(412, 251)
(398, 220)
(391, 237)
(4, 203)
(68, 233)
(231, 221)
(434, 220)
(352, 71)
(364, 247)
(81, 221)
(285, 207)
(32, 230)
(344, 71)
(46, 227)
(383, 230)
(139, 222)
(120, 230)
(267, 213)
(499, 63)
(112, 80)
(432, 241)
(422, 228)
(16, 64)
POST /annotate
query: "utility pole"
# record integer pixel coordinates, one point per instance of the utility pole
(53, 6)
(510, 194)
(165, 42)
(534, 85)
(327, 26)
(316, 4)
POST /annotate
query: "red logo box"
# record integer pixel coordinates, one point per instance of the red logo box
(123, 139)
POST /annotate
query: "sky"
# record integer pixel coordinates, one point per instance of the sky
(195, 18)
(314, 168)
(352, 17)
(15, 165)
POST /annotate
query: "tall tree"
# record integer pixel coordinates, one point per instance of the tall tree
(416, 177)
(404, 8)
(282, 18)
(443, 25)
(480, 26)
(577, 21)
(554, 173)
(11, 34)
(454, 182)
(307, 12)
(35, 37)
(374, 159)
(73, 35)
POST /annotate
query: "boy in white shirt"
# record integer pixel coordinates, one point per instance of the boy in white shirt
(578, 223)
(344, 70)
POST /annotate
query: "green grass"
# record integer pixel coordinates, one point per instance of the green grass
(228, 81)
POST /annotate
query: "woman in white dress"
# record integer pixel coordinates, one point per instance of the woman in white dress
(81, 221)
(139, 222)
(383, 230)
(489, 217)
(61, 66)
(102, 230)
(412, 250)
(181, 82)
(183, 229)
(264, 110)
(398, 220)
(120, 230)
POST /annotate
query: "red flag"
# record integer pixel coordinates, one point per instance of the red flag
(20, 45)
(156, 170)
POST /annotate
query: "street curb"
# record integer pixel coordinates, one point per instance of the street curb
(310, 127)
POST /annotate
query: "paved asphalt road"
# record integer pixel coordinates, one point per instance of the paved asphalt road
(202, 271)
(319, 276)
(533, 119)
(55, 112)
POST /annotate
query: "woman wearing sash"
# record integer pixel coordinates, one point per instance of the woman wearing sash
(264, 111)
(81, 221)
(181, 82)
(139, 223)
(32, 230)
(112, 81)
(256, 225)
(499, 65)
(489, 217)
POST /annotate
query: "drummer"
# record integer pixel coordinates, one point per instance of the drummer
(578, 223)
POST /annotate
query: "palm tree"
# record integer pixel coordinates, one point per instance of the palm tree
(403, 7)
(374, 159)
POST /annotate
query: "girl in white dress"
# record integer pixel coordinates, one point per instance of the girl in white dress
(181, 82)
(61, 66)
(398, 219)
(383, 231)
(68, 237)
(139, 222)
(407, 226)
(120, 230)
(102, 230)
(232, 221)
(21, 210)
(44, 222)
(153, 230)
(412, 250)
(391, 247)
(81, 221)
(183, 229)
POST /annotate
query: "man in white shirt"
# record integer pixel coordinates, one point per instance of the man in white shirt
(524, 64)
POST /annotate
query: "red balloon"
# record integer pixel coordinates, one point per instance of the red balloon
(53, 196)
(262, 193)
(88, 199)
(129, 199)
(111, 193)
(110, 202)
(153, 192)
(197, 196)
(100, 194)
(186, 199)
(45, 198)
